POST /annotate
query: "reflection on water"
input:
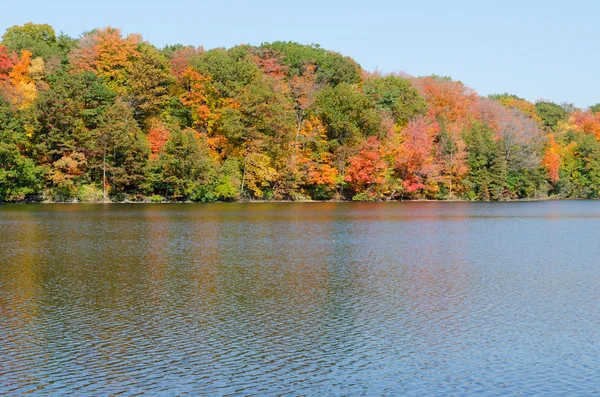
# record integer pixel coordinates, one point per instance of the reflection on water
(316, 298)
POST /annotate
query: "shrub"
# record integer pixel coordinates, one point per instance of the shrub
(155, 198)
(364, 196)
(89, 194)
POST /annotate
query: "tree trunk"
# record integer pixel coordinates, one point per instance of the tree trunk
(243, 176)
(104, 175)
(299, 121)
(451, 164)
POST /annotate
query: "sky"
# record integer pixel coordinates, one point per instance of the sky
(534, 49)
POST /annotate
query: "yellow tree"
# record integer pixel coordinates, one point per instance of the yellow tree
(315, 162)
(108, 54)
(524, 106)
(21, 88)
(201, 97)
(303, 89)
(551, 159)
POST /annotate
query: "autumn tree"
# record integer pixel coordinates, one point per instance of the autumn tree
(451, 102)
(201, 96)
(303, 90)
(6, 63)
(158, 135)
(415, 162)
(66, 175)
(551, 159)
(317, 173)
(181, 57)
(454, 106)
(19, 86)
(586, 122)
(515, 102)
(580, 166)
(367, 169)
(109, 55)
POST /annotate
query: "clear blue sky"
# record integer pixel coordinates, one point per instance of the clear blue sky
(535, 49)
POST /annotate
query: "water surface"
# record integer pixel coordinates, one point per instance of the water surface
(301, 299)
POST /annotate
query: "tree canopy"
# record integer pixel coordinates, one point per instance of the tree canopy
(110, 116)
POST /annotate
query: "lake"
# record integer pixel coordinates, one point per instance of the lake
(270, 299)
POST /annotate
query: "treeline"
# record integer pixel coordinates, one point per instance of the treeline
(108, 116)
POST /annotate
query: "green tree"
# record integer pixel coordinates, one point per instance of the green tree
(19, 176)
(347, 113)
(66, 116)
(148, 83)
(219, 183)
(580, 166)
(330, 67)
(122, 151)
(550, 113)
(41, 40)
(37, 38)
(487, 165)
(231, 70)
(396, 95)
(595, 108)
(259, 130)
(184, 165)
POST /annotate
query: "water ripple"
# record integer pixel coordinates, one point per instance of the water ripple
(300, 299)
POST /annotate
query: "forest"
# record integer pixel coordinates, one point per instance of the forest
(109, 116)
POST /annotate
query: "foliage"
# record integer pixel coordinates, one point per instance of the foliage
(149, 78)
(330, 67)
(487, 165)
(110, 114)
(595, 108)
(65, 175)
(40, 39)
(396, 95)
(183, 162)
(415, 162)
(89, 194)
(367, 168)
(550, 114)
(19, 176)
(347, 113)
(580, 167)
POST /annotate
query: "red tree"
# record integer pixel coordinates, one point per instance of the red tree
(416, 161)
(367, 168)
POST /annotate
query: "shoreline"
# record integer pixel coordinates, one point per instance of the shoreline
(299, 201)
